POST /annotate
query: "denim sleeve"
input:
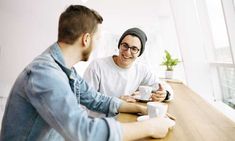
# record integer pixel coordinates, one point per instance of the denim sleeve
(96, 101)
(51, 95)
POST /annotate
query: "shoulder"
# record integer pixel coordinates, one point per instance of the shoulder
(44, 68)
(142, 66)
(44, 77)
(44, 62)
(145, 70)
(96, 63)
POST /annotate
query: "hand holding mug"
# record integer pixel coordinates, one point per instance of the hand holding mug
(160, 94)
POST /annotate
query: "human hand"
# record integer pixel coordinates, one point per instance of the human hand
(153, 127)
(128, 98)
(143, 110)
(159, 95)
(159, 126)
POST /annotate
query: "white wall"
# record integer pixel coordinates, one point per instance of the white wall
(26, 29)
(29, 27)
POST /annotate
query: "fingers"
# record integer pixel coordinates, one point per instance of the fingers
(158, 99)
(135, 93)
(161, 127)
(159, 96)
(143, 110)
(160, 87)
(170, 116)
(131, 100)
(160, 93)
(128, 98)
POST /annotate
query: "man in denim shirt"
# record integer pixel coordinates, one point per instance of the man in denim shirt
(45, 101)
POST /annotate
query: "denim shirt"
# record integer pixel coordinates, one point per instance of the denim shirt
(45, 105)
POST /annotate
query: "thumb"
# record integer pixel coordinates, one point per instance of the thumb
(160, 87)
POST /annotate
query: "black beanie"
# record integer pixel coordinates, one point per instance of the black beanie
(138, 33)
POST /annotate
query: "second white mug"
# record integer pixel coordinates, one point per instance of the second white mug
(156, 109)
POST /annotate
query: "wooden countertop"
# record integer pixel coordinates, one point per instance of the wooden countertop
(196, 120)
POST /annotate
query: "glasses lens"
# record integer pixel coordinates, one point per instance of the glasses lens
(125, 47)
(134, 50)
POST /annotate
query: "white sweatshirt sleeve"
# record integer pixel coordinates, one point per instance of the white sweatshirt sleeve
(91, 76)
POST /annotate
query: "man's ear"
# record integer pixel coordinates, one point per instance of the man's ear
(86, 39)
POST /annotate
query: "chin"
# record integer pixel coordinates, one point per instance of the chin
(86, 55)
(85, 58)
(127, 62)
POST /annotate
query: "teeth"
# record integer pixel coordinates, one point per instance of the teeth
(126, 57)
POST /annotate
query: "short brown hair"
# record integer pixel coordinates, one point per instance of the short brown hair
(75, 21)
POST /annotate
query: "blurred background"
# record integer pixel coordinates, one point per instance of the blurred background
(200, 33)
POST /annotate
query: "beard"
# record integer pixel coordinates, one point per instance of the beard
(86, 54)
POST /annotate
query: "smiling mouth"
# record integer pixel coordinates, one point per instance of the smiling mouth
(125, 57)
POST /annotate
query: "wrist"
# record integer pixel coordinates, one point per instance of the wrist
(149, 130)
(142, 109)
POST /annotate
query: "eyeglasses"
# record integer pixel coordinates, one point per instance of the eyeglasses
(125, 47)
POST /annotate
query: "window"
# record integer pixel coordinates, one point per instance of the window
(227, 78)
(222, 50)
(223, 60)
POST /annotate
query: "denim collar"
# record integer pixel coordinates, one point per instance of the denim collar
(56, 53)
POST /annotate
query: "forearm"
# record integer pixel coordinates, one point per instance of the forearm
(132, 108)
(135, 130)
(154, 127)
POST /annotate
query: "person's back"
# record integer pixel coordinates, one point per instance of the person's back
(21, 120)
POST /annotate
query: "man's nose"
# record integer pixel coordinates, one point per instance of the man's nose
(128, 50)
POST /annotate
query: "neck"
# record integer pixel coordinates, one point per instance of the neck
(71, 54)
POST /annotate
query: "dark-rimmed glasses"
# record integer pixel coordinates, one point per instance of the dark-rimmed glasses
(125, 47)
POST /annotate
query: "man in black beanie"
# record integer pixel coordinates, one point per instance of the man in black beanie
(138, 33)
(121, 75)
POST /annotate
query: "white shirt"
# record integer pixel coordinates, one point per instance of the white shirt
(108, 78)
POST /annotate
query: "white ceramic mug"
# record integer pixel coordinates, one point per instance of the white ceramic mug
(156, 109)
(145, 92)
